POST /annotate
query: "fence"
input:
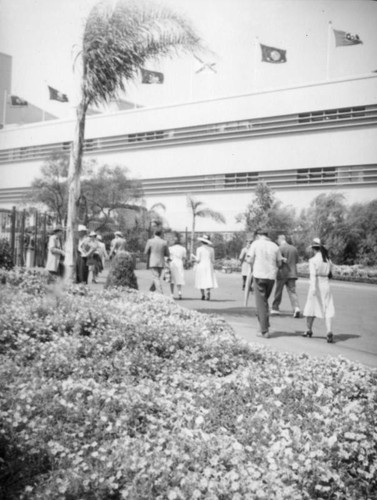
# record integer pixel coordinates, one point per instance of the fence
(27, 233)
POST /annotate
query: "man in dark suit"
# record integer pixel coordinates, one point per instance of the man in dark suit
(287, 276)
(156, 249)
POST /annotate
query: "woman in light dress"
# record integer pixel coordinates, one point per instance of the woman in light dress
(205, 278)
(177, 260)
(55, 253)
(319, 303)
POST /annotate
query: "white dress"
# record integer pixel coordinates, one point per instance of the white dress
(204, 272)
(320, 301)
(177, 255)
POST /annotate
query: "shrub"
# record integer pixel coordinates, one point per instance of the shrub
(120, 395)
(6, 258)
(122, 272)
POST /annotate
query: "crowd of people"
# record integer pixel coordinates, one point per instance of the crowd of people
(265, 266)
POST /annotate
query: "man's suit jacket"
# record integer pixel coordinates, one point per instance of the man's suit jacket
(157, 249)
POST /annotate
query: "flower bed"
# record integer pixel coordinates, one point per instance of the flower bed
(354, 273)
(121, 395)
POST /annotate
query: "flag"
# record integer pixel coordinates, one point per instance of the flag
(205, 65)
(342, 38)
(17, 101)
(272, 54)
(55, 95)
(148, 76)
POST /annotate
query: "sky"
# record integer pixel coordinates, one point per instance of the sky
(43, 37)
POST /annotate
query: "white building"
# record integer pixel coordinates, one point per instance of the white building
(302, 141)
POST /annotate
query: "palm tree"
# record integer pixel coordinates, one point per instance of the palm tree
(199, 209)
(119, 38)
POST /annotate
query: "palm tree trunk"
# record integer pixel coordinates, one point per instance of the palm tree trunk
(74, 173)
(192, 234)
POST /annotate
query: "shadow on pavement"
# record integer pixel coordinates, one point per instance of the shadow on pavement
(229, 311)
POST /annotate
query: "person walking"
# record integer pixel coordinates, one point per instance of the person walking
(205, 278)
(55, 252)
(117, 242)
(245, 266)
(178, 257)
(286, 276)
(156, 249)
(265, 259)
(319, 303)
(93, 257)
(102, 252)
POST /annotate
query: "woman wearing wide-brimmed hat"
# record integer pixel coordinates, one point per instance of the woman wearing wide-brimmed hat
(205, 278)
(319, 303)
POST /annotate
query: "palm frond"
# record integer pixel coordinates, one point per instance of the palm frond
(211, 214)
(119, 40)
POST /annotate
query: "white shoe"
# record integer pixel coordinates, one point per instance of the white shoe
(274, 311)
(297, 313)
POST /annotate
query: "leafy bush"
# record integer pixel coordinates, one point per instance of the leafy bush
(121, 395)
(122, 272)
(6, 258)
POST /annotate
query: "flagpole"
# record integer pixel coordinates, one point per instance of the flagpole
(329, 28)
(256, 43)
(5, 108)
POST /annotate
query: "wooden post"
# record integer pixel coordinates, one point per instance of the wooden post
(22, 239)
(34, 261)
(13, 233)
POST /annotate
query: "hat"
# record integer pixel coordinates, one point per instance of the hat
(316, 243)
(57, 228)
(262, 230)
(99, 237)
(118, 233)
(82, 228)
(93, 233)
(205, 239)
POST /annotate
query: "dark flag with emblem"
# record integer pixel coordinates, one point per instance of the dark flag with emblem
(273, 55)
(17, 101)
(55, 95)
(343, 38)
(150, 77)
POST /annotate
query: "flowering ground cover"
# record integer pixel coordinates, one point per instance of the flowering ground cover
(121, 395)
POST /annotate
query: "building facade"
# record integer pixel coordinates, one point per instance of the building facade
(302, 141)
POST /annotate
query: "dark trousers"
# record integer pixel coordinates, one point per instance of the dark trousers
(82, 270)
(290, 283)
(263, 288)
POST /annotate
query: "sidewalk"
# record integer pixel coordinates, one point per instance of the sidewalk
(286, 331)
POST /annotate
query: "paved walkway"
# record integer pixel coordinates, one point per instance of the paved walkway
(355, 324)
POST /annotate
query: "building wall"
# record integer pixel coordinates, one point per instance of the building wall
(303, 141)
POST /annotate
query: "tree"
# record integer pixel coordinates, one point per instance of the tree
(107, 191)
(50, 188)
(265, 210)
(327, 219)
(119, 38)
(199, 209)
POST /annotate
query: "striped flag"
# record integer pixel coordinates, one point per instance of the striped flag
(273, 55)
(344, 39)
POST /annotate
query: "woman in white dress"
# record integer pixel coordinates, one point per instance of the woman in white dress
(177, 260)
(319, 303)
(205, 278)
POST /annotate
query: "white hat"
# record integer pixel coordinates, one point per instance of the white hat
(316, 243)
(118, 233)
(205, 239)
(82, 228)
(93, 233)
(99, 237)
